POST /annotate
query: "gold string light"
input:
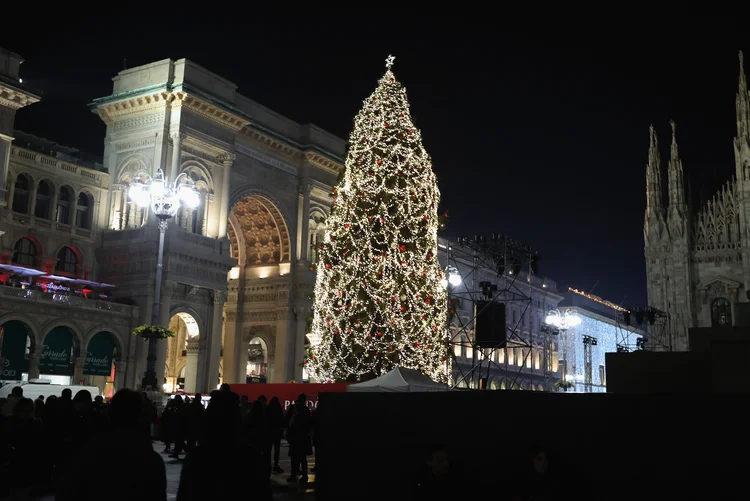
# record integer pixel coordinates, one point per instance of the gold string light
(379, 302)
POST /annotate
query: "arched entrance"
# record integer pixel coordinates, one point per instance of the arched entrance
(260, 242)
(58, 351)
(16, 344)
(257, 361)
(99, 366)
(182, 353)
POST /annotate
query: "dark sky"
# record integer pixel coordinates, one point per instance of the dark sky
(537, 129)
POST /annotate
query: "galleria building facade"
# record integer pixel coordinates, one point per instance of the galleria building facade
(78, 257)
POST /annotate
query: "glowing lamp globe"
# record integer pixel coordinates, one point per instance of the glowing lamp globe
(156, 187)
(189, 196)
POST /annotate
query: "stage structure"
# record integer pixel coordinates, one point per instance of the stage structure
(509, 259)
(658, 327)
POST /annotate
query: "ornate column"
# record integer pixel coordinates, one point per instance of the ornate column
(176, 155)
(284, 350)
(303, 220)
(227, 161)
(121, 369)
(78, 363)
(168, 289)
(191, 369)
(34, 360)
(213, 343)
(5, 146)
(116, 210)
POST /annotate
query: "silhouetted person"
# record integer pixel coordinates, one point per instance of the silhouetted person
(194, 421)
(125, 449)
(298, 436)
(16, 394)
(221, 459)
(25, 436)
(437, 478)
(538, 480)
(259, 442)
(275, 418)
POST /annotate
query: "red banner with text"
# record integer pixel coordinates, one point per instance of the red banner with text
(287, 393)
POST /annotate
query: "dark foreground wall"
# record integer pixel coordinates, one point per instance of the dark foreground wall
(605, 446)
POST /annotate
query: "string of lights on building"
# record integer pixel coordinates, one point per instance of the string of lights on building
(599, 300)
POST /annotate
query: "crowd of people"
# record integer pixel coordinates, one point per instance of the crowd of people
(82, 448)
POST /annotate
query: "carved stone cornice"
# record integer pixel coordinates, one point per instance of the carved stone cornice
(219, 297)
(169, 288)
(209, 111)
(322, 162)
(227, 159)
(178, 136)
(111, 111)
(272, 143)
(15, 98)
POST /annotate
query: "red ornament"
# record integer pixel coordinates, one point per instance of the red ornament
(408, 132)
(385, 125)
(427, 301)
(328, 266)
(347, 225)
(402, 248)
(442, 359)
(429, 255)
(370, 219)
(390, 348)
(401, 115)
(379, 161)
(416, 344)
(425, 218)
(380, 334)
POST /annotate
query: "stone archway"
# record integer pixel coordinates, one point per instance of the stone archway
(182, 351)
(260, 241)
(17, 343)
(103, 349)
(256, 222)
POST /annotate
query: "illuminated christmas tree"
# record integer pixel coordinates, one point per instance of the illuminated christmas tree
(379, 302)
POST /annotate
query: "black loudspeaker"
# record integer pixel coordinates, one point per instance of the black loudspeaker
(489, 326)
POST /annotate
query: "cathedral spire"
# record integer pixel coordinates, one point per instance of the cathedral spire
(653, 175)
(743, 109)
(676, 177)
(654, 211)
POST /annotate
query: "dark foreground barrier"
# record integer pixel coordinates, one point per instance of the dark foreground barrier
(603, 446)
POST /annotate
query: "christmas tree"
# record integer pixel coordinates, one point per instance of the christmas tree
(379, 302)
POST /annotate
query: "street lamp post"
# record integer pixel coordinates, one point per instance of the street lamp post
(164, 199)
(452, 279)
(562, 320)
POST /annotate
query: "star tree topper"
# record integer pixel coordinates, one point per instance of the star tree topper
(389, 61)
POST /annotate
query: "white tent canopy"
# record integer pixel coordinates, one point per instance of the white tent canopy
(399, 380)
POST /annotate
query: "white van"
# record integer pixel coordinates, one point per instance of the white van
(34, 388)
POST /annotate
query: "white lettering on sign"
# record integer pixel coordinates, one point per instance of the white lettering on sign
(60, 356)
(253, 153)
(100, 361)
(312, 405)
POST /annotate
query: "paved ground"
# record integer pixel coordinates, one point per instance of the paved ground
(281, 489)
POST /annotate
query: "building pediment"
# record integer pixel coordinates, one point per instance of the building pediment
(719, 287)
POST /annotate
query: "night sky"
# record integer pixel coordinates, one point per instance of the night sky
(537, 130)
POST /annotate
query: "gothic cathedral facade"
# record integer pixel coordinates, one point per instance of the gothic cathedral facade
(697, 264)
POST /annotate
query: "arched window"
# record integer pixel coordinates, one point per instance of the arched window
(64, 198)
(721, 313)
(43, 192)
(21, 194)
(25, 253)
(67, 261)
(83, 209)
